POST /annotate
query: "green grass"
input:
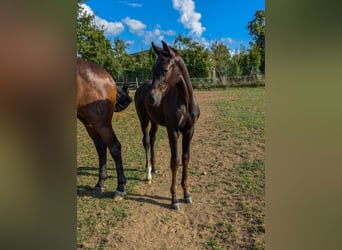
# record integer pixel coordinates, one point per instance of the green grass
(241, 123)
(242, 115)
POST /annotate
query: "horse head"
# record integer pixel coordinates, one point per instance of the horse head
(166, 72)
(123, 99)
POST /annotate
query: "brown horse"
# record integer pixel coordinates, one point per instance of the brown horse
(97, 99)
(168, 100)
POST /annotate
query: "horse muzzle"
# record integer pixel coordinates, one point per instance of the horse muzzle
(155, 99)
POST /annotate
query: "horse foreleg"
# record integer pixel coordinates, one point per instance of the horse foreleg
(152, 134)
(146, 143)
(173, 137)
(187, 136)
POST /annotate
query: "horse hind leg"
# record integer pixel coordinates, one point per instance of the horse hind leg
(187, 136)
(173, 137)
(110, 139)
(101, 149)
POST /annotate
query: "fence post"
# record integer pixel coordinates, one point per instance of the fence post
(136, 80)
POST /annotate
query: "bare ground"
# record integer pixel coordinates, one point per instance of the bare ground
(213, 220)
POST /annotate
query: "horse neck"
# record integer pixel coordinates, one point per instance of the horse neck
(187, 83)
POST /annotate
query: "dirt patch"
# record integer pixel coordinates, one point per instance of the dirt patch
(216, 219)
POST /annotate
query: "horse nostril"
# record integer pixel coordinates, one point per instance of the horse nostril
(151, 99)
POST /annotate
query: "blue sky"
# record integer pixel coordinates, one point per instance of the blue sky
(139, 22)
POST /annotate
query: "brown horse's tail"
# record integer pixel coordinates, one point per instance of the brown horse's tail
(122, 98)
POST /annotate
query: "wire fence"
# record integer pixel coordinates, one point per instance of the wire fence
(208, 83)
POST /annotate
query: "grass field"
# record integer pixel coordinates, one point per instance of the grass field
(227, 179)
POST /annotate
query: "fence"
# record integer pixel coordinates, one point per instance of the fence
(209, 83)
(224, 82)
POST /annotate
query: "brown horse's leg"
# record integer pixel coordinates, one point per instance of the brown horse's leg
(187, 136)
(152, 134)
(146, 143)
(101, 148)
(173, 137)
(109, 137)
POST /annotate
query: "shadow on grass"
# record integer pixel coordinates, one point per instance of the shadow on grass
(150, 199)
(88, 171)
(164, 202)
(85, 190)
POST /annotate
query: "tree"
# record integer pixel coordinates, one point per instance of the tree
(234, 68)
(195, 56)
(124, 61)
(255, 60)
(244, 63)
(249, 61)
(256, 29)
(220, 59)
(92, 44)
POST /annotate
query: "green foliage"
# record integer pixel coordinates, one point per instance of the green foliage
(141, 64)
(256, 29)
(220, 58)
(195, 56)
(92, 44)
(234, 68)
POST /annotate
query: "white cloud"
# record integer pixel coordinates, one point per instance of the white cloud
(135, 26)
(87, 9)
(134, 5)
(153, 35)
(157, 35)
(170, 32)
(189, 17)
(228, 40)
(110, 28)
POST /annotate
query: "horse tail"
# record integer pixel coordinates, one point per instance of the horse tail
(122, 98)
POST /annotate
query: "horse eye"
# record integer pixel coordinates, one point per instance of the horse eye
(165, 71)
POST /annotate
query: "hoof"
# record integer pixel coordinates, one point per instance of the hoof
(175, 206)
(99, 190)
(149, 182)
(118, 196)
(155, 171)
(188, 200)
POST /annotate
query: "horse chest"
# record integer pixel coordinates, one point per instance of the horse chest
(174, 116)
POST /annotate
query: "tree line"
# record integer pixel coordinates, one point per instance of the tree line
(217, 61)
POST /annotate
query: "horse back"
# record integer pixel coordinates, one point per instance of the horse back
(94, 84)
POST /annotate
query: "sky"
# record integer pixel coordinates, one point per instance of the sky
(139, 22)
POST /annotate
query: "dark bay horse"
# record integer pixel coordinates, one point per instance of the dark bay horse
(97, 99)
(168, 100)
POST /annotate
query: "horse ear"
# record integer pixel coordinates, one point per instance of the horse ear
(156, 49)
(171, 51)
